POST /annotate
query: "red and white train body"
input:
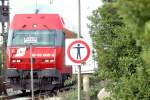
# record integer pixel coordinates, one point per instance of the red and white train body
(48, 53)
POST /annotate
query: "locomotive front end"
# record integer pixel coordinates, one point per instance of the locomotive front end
(47, 51)
(44, 51)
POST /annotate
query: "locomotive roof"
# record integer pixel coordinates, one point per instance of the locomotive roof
(26, 21)
(40, 22)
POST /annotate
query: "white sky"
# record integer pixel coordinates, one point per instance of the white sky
(68, 9)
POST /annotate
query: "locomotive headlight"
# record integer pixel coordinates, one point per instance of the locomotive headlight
(52, 60)
(49, 60)
(46, 60)
(16, 61)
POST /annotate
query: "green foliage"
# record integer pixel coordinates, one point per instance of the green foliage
(133, 88)
(120, 31)
(135, 12)
(70, 81)
(139, 17)
(114, 43)
(95, 86)
(72, 95)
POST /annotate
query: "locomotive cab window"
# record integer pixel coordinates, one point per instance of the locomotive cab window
(44, 37)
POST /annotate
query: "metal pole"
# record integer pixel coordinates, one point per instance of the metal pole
(79, 82)
(3, 42)
(31, 73)
(51, 1)
(79, 20)
(2, 52)
(79, 67)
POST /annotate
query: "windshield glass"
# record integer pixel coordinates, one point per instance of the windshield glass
(44, 37)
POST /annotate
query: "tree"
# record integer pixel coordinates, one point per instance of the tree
(136, 15)
(118, 50)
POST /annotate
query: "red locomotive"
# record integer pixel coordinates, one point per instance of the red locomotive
(48, 53)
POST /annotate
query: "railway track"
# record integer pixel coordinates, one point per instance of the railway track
(27, 96)
(38, 95)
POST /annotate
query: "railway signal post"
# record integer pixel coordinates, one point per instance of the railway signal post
(4, 19)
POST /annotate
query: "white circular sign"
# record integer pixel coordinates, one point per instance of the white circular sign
(78, 51)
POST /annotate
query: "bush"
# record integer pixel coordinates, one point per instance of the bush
(121, 52)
